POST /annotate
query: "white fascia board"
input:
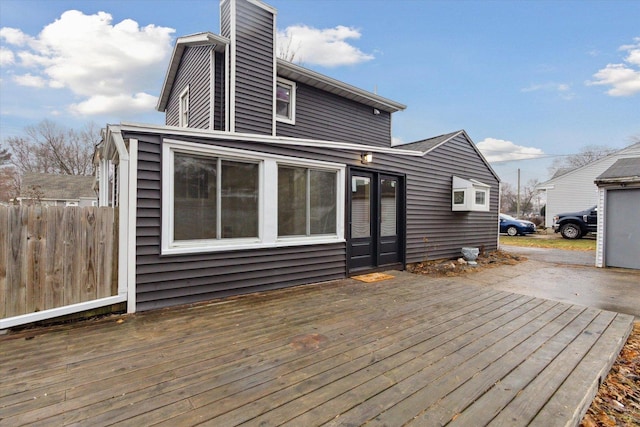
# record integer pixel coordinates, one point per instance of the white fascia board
(219, 44)
(114, 140)
(473, 145)
(266, 139)
(264, 6)
(295, 72)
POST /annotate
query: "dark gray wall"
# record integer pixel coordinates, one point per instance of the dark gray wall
(254, 69)
(194, 71)
(220, 103)
(170, 280)
(429, 213)
(179, 279)
(323, 115)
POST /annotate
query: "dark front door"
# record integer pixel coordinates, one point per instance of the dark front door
(375, 220)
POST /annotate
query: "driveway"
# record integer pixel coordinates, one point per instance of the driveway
(566, 276)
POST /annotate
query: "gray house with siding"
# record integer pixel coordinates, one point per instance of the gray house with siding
(268, 175)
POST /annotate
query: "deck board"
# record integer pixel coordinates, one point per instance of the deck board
(409, 350)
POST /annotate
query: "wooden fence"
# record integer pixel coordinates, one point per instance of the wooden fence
(51, 257)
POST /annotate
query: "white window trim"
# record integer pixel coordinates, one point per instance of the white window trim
(480, 206)
(469, 188)
(292, 101)
(184, 95)
(267, 204)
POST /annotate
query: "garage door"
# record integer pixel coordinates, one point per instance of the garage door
(622, 238)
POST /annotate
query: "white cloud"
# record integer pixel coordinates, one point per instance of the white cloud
(120, 103)
(624, 79)
(95, 59)
(327, 47)
(499, 150)
(14, 36)
(562, 89)
(30, 80)
(6, 56)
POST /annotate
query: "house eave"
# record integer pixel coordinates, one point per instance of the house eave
(622, 180)
(219, 44)
(300, 74)
(265, 139)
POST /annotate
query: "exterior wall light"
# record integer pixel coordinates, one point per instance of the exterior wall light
(366, 158)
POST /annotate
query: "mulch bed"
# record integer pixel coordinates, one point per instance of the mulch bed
(617, 402)
(455, 267)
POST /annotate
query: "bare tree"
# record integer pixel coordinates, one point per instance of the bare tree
(289, 50)
(509, 198)
(5, 155)
(585, 156)
(49, 148)
(9, 184)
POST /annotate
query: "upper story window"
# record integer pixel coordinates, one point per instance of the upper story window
(286, 101)
(183, 118)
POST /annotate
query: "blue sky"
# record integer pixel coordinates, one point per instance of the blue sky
(523, 78)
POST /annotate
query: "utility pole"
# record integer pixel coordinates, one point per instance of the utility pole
(518, 200)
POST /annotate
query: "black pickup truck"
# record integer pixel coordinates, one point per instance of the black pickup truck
(574, 225)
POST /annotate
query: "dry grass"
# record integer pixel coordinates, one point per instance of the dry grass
(552, 242)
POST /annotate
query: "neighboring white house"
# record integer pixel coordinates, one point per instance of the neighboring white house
(576, 190)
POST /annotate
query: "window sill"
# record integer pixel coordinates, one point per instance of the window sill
(185, 249)
(285, 120)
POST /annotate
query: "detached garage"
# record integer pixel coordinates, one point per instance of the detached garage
(618, 212)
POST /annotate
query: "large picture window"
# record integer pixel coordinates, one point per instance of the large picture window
(214, 198)
(218, 198)
(306, 201)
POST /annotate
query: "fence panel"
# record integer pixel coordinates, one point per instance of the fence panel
(51, 257)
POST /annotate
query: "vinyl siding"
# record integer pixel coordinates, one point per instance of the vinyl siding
(429, 213)
(178, 279)
(220, 100)
(225, 18)
(194, 71)
(254, 69)
(325, 116)
(576, 190)
(170, 280)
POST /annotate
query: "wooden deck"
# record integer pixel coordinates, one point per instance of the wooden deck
(405, 351)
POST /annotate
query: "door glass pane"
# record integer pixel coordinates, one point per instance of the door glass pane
(292, 201)
(388, 207)
(194, 199)
(322, 200)
(239, 199)
(360, 207)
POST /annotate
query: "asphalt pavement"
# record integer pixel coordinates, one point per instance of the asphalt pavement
(566, 276)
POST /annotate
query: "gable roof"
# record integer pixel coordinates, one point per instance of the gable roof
(623, 170)
(300, 74)
(59, 187)
(622, 152)
(426, 145)
(430, 144)
(562, 171)
(206, 38)
(285, 69)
